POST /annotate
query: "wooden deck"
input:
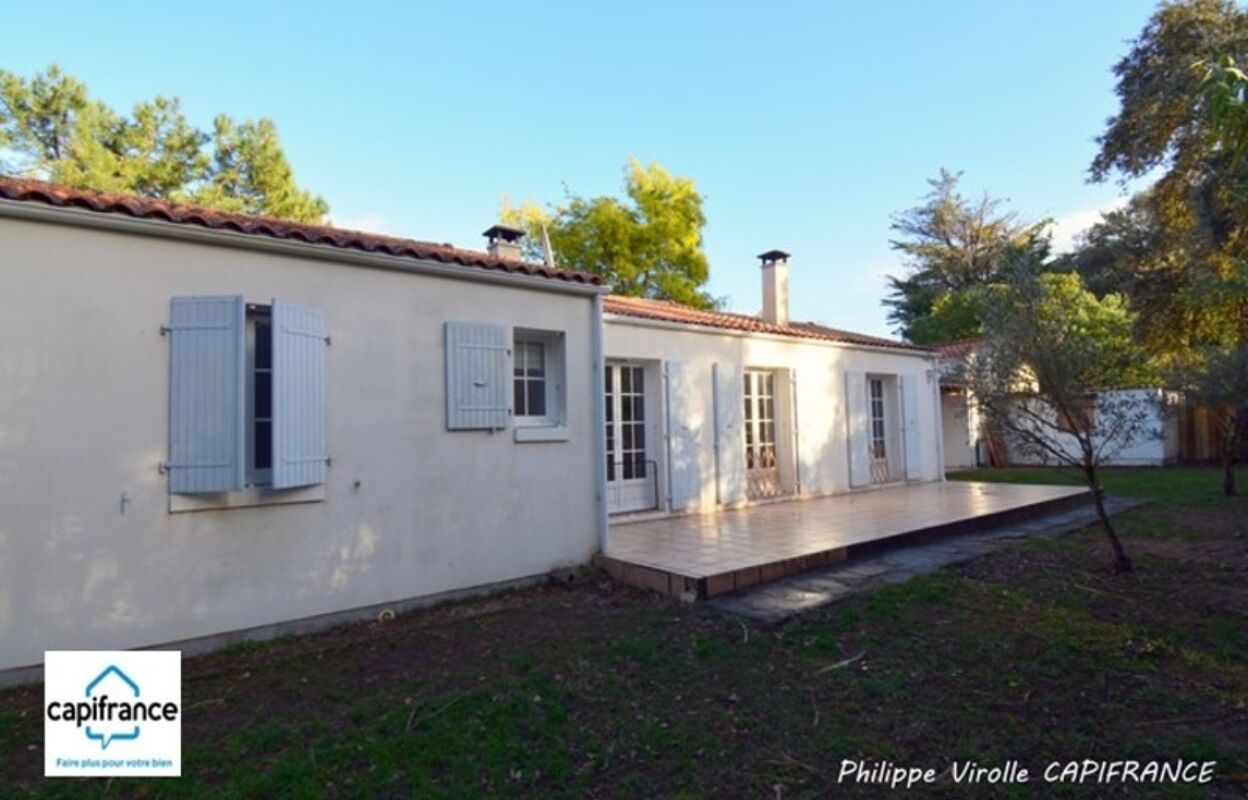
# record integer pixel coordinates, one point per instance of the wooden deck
(710, 554)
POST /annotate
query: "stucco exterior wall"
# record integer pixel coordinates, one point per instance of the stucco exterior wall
(409, 508)
(820, 368)
(1150, 449)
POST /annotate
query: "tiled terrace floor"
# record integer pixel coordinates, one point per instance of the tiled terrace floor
(782, 538)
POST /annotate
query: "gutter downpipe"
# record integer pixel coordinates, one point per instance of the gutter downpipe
(600, 423)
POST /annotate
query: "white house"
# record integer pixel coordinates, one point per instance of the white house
(213, 424)
(706, 409)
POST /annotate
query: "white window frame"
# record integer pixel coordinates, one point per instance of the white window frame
(552, 344)
(257, 477)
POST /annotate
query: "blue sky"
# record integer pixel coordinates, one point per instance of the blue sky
(805, 125)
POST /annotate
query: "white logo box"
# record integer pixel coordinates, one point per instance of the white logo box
(112, 713)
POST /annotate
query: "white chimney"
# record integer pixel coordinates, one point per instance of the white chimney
(775, 286)
(504, 242)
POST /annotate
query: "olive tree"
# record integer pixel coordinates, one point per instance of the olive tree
(1051, 374)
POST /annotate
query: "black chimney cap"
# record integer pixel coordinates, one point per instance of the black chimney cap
(774, 255)
(504, 232)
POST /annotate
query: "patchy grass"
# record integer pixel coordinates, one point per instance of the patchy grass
(1034, 653)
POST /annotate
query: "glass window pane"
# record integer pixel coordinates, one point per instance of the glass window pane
(639, 437)
(537, 398)
(610, 468)
(264, 395)
(518, 400)
(264, 344)
(639, 383)
(610, 373)
(264, 445)
(626, 379)
(628, 468)
(535, 361)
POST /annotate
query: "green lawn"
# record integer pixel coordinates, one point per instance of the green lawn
(1174, 486)
(1034, 653)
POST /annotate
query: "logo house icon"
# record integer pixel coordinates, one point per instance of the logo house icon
(101, 683)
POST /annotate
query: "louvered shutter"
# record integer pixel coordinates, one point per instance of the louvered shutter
(730, 432)
(912, 438)
(299, 450)
(684, 462)
(478, 383)
(857, 420)
(207, 362)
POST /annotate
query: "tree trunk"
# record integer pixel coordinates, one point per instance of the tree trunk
(1230, 440)
(1121, 562)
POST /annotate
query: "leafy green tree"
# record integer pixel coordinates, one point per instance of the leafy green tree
(646, 245)
(250, 174)
(51, 129)
(1218, 380)
(954, 315)
(1182, 112)
(951, 244)
(1130, 251)
(1051, 348)
(1178, 116)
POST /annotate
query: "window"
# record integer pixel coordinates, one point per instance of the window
(537, 378)
(879, 448)
(246, 396)
(530, 378)
(626, 422)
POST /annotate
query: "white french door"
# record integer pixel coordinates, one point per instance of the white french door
(762, 467)
(880, 472)
(630, 469)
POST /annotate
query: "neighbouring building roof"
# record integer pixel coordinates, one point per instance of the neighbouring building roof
(52, 194)
(668, 311)
(956, 348)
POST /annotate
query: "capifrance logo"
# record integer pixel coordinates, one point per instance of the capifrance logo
(112, 712)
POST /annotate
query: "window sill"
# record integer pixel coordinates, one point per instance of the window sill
(541, 433)
(246, 498)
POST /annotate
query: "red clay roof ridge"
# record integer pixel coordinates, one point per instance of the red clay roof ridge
(672, 311)
(61, 195)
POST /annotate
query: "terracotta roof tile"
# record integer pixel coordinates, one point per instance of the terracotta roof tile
(668, 311)
(957, 348)
(324, 235)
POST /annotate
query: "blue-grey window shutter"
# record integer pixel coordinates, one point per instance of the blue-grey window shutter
(478, 376)
(299, 451)
(207, 359)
